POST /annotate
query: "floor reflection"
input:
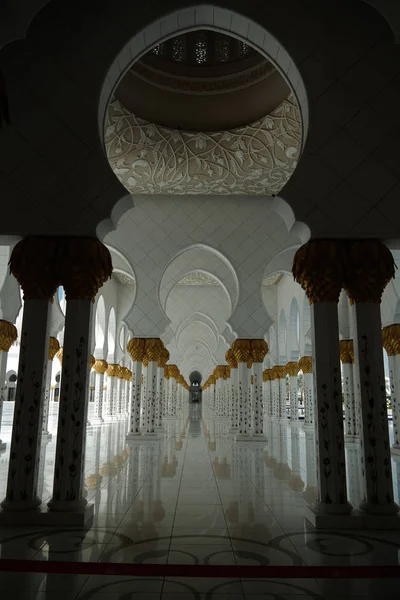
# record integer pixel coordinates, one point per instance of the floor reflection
(195, 496)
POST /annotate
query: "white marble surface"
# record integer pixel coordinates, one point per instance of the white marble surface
(195, 496)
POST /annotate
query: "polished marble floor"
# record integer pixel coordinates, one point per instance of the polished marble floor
(196, 497)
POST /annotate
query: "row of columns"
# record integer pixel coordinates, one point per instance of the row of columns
(158, 389)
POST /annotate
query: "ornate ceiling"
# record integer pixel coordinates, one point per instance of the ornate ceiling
(254, 160)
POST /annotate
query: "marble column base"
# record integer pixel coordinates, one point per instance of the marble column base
(258, 437)
(309, 426)
(43, 516)
(46, 437)
(280, 420)
(149, 437)
(96, 421)
(3, 446)
(357, 519)
(295, 423)
(243, 437)
(133, 436)
(351, 440)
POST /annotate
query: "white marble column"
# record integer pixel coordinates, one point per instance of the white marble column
(160, 396)
(242, 351)
(8, 335)
(347, 358)
(280, 372)
(54, 347)
(111, 396)
(329, 422)
(305, 364)
(68, 487)
(258, 349)
(100, 367)
(274, 394)
(391, 343)
(21, 494)
(375, 434)
(136, 348)
(292, 369)
(369, 268)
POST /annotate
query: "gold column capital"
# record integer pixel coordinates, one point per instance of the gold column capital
(258, 350)
(163, 358)
(346, 352)
(85, 265)
(318, 266)
(54, 346)
(391, 339)
(8, 335)
(305, 364)
(59, 354)
(231, 359)
(292, 368)
(153, 349)
(242, 350)
(280, 371)
(34, 262)
(100, 366)
(136, 349)
(112, 370)
(92, 361)
(369, 268)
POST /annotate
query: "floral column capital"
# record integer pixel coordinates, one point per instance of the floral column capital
(292, 368)
(319, 267)
(136, 349)
(8, 335)
(242, 351)
(346, 352)
(258, 350)
(231, 359)
(305, 364)
(34, 262)
(368, 269)
(100, 367)
(54, 347)
(163, 358)
(85, 265)
(391, 339)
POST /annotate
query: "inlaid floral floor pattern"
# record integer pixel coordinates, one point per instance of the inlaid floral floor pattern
(195, 497)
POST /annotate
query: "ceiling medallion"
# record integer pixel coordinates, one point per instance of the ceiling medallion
(198, 278)
(254, 160)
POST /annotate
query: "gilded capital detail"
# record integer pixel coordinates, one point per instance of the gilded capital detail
(100, 366)
(8, 335)
(136, 349)
(391, 339)
(34, 262)
(292, 369)
(242, 351)
(59, 355)
(85, 266)
(369, 268)
(54, 346)
(231, 359)
(318, 266)
(305, 364)
(346, 352)
(153, 349)
(163, 358)
(259, 350)
(113, 370)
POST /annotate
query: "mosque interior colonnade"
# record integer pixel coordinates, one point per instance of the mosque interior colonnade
(197, 277)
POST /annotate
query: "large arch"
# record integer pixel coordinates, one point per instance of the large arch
(282, 337)
(202, 258)
(294, 331)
